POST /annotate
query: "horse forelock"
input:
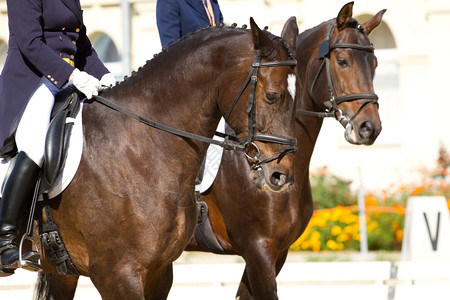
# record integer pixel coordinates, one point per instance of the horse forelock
(361, 37)
(283, 42)
(352, 23)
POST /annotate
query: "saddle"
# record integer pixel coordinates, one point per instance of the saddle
(65, 109)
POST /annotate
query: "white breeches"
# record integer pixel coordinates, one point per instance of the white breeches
(32, 129)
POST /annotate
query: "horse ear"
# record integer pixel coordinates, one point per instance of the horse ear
(290, 32)
(344, 16)
(373, 22)
(262, 42)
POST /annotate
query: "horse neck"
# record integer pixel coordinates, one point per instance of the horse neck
(180, 95)
(196, 79)
(308, 127)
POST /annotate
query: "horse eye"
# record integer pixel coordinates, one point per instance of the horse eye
(273, 97)
(342, 62)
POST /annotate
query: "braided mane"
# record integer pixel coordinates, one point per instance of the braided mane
(220, 27)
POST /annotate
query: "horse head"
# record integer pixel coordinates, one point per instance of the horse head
(267, 136)
(345, 70)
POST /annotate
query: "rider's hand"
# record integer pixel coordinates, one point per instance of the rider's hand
(85, 83)
(107, 81)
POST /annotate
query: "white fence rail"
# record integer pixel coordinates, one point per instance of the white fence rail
(298, 280)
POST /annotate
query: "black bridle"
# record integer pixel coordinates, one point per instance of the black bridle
(332, 109)
(230, 142)
(248, 143)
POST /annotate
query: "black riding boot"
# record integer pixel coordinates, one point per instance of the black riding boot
(17, 195)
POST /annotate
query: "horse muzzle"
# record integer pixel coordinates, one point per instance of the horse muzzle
(363, 134)
(269, 178)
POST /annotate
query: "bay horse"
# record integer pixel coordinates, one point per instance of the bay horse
(131, 209)
(274, 221)
(335, 67)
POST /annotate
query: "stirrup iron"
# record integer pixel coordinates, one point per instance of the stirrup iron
(31, 265)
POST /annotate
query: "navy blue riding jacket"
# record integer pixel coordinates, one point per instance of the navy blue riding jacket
(47, 38)
(177, 18)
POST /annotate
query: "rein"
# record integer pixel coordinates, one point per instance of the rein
(247, 145)
(225, 144)
(332, 109)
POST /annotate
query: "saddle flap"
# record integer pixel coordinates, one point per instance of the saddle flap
(53, 150)
(67, 105)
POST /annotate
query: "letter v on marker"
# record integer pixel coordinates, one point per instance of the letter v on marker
(435, 240)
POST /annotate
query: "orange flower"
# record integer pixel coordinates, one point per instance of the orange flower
(332, 245)
(417, 190)
(316, 246)
(343, 238)
(395, 226)
(399, 235)
(305, 245)
(399, 209)
(336, 230)
(371, 201)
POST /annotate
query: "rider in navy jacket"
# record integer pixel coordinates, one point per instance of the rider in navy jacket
(42, 33)
(48, 49)
(176, 18)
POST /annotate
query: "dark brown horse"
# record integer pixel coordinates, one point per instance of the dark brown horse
(260, 226)
(272, 222)
(130, 210)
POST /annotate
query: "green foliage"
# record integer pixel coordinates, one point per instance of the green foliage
(330, 191)
(387, 235)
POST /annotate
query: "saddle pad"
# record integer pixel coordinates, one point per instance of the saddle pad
(212, 161)
(72, 162)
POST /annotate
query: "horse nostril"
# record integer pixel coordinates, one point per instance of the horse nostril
(366, 130)
(278, 179)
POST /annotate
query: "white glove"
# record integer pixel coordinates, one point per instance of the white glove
(107, 81)
(85, 83)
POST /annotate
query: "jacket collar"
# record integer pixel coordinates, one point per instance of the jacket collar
(197, 5)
